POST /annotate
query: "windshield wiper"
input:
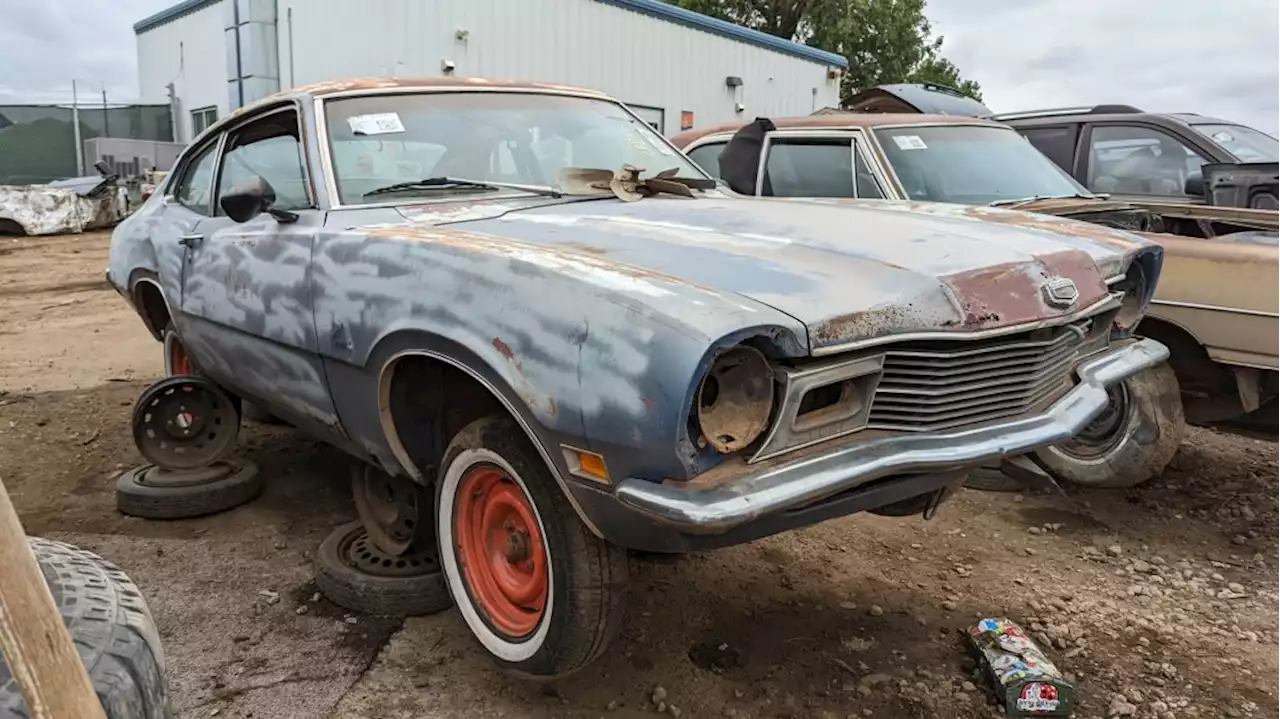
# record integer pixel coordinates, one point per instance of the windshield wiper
(1036, 198)
(458, 183)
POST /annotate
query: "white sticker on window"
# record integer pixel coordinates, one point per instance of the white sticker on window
(910, 142)
(383, 123)
(1223, 136)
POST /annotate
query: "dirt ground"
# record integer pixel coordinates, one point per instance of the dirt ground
(1159, 601)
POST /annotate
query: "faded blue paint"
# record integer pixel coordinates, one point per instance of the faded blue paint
(593, 318)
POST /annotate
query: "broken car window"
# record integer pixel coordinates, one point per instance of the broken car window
(497, 137)
(195, 189)
(971, 164)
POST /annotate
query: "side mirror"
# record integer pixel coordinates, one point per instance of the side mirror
(251, 198)
(1194, 186)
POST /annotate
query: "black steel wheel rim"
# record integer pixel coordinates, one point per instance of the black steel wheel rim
(184, 422)
(358, 552)
(395, 511)
(1106, 431)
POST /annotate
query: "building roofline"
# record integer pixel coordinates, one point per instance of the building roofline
(171, 13)
(652, 8)
(698, 21)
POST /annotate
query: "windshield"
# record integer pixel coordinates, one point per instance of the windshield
(971, 164)
(1245, 143)
(519, 138)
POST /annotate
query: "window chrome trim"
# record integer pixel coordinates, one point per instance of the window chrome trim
(1215, 308)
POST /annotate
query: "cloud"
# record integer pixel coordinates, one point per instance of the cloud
(46, 43)
(1216, 59)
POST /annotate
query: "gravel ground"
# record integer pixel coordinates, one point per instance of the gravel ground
(1159, 601)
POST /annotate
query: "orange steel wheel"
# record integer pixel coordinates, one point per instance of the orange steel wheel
(501, 550)
(178, 361)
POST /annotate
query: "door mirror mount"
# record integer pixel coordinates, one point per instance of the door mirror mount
(252, 197)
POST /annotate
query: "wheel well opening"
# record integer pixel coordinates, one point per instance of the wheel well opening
(11, 227)
(1197, 373)
(429, 402)
(151, 304)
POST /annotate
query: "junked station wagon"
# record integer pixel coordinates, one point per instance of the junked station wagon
(555, 336)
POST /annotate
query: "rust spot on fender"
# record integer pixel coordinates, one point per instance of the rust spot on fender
(502, 348)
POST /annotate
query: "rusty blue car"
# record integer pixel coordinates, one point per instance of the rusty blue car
(548, 338)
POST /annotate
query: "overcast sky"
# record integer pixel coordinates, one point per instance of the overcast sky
(1215, 58)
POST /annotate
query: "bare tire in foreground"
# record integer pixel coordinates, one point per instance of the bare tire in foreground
(153, 492)
(112, 629)
(541, 593)
(1133, 439)
(352, 572)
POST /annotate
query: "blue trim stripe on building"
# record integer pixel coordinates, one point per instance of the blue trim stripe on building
(653, 8)
(169, 14)
(698, 21)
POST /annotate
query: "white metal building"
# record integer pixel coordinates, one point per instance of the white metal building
(675, 68)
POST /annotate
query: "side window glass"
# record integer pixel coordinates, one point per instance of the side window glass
(868, 188)
(270, 149)
(708, 158)
(194, 188)
(1056, 143)
(802, 167)
(1130, 160)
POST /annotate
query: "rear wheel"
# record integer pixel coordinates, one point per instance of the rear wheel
(1133, 439)
(540, 592)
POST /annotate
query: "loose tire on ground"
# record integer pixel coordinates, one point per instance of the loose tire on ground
(224, 485)
(1147, 427)
(540, 593)
(112, 629)
(353, 573)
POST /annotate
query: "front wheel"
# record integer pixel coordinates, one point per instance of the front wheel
(541, 593)
(1133, 439)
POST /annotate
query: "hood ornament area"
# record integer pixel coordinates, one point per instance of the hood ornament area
(1060, 292)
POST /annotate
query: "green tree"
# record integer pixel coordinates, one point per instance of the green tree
(885, 41)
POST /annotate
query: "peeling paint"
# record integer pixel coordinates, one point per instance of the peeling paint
(45, 210)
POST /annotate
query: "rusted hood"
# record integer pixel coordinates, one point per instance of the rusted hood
(848, 271)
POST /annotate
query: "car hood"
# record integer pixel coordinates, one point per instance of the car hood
(850, 271)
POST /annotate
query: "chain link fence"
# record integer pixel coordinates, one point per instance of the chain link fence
(37, 142)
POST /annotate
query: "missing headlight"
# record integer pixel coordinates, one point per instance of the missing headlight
(735, 399)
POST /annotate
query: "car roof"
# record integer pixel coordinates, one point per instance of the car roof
(374, 84)
(837, 121)
(1105, 113)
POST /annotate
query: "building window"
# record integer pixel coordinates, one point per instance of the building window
(202, 118)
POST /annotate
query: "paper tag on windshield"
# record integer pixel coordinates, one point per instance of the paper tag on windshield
(383, 123)
(910, 142)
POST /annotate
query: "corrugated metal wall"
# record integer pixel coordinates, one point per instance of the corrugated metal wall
(190, 53)
(640, 59)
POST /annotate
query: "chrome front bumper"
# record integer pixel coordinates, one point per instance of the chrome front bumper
(815, 477)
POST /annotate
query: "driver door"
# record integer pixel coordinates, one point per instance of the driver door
(246, 294)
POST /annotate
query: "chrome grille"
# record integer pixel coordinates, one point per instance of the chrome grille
(936, 385)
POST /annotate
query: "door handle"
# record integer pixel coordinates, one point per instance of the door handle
(191, 241)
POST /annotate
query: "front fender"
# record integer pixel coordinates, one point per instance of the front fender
(590, 353)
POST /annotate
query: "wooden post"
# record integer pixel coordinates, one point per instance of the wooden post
(34, 641)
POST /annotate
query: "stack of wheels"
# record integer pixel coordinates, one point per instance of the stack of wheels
(112, 629)
(1129, 443)
(183, 425)
(385, 564)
